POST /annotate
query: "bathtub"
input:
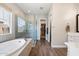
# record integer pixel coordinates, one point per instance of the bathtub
(13, 47)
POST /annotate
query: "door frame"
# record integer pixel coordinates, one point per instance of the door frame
(46, 27)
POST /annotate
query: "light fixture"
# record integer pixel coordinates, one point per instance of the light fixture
(41, 8)
(28, 11)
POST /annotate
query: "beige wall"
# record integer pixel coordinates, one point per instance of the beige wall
(62, 14)
(31, 18)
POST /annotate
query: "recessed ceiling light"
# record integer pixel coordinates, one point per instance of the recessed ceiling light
(41, 8)
(28, 11)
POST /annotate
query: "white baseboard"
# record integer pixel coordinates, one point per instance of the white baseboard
(58, 46)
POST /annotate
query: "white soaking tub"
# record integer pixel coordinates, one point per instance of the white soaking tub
(13, 47)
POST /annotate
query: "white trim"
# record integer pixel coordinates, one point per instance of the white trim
(58, 46)
(43, 18)
(45, 23)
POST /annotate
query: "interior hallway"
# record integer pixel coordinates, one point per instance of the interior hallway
(43, 48)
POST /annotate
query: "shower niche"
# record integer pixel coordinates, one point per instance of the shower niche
(5, 21)
(4, 28)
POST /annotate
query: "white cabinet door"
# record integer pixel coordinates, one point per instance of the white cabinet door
(1, 12)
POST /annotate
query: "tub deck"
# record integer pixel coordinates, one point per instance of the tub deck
(13, 47)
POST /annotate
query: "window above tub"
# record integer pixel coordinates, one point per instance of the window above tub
(21, 24)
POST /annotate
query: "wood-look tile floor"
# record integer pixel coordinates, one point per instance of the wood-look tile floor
(43, 48)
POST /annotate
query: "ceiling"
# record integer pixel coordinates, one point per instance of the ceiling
(35, 8)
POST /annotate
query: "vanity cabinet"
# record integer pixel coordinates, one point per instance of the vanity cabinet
(73, 44)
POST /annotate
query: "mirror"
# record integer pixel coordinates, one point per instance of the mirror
(77, 23)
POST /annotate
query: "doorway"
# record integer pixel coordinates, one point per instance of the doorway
(43, 30)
